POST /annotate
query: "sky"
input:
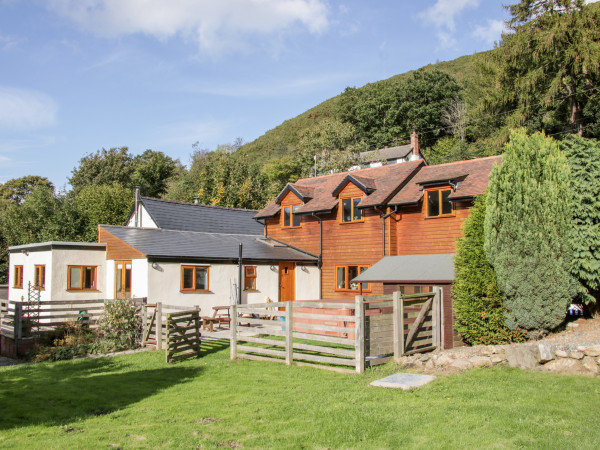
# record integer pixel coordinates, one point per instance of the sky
(80, 75)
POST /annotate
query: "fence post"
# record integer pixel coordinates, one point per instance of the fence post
(359, 333)
(144, 324)
(197, 325)
(289, 336)
(436, 317)
(18, 326)
(167, 346)
(398, 319)
(158, 322)
(233, 327)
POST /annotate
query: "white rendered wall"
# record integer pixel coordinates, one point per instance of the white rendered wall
(29, 262)
(62, 258)
(307, 282)
(144, 219)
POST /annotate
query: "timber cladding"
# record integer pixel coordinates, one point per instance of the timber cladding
(117, 249)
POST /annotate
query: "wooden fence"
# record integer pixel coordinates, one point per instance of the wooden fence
(154, 318)
(183, 335)
(25, 321)
(338, 336)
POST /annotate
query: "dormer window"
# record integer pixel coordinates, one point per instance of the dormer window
(350, 210)
(290, 218)
(437, 202)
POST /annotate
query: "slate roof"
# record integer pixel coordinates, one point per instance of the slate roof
(473, 177)
(401, 151)
(170, 215)
(158, 243)
(381, 181)
(418, 268)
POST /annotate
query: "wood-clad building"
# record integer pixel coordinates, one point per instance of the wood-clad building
(353, 219)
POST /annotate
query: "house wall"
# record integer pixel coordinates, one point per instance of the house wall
(61, 259)
(139, 277)
(57, 262)
(419, 235)
(164, 285)
(145, 220)
(357, 243)
(29, 262)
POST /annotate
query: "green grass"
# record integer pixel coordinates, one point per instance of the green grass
(139, 401)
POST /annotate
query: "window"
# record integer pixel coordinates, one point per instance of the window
(438, 203)
(194, 278)
(344, 276)
(350, 211)
(18, 280)
(81, 278)
(250, 278)
(290, 218)
(40, 277)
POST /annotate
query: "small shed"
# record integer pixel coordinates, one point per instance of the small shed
(415, 274)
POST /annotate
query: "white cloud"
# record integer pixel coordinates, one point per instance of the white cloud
(25, 110)
(491, 32)
(442, 15)
(214, 24)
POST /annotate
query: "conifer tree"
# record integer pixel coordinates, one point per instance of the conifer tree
(478, 303)
(584, 160)
(527, 230)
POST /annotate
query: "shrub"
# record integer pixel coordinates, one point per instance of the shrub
(527, 232)
(477, 300)
(121, 324)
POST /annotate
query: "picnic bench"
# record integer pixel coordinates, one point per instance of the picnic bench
(220, 317)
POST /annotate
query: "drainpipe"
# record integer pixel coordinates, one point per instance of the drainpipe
(137, 200)
(383, 217)
(320, 261)
(239, 299)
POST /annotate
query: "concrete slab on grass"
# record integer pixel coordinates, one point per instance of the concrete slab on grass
(403, 381)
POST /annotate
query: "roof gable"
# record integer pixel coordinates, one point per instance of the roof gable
(365, 184)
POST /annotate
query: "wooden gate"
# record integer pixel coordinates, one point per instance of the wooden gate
(154, 322)
(183, 335)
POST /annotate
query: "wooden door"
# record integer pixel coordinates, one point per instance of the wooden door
(287, 288)
(122, 279)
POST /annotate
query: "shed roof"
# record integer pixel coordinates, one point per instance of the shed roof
(417, 268)
(62, 245)
(171, 244)
(401, 151)
(170, 215)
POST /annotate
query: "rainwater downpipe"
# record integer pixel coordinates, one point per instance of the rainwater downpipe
(320, 261)
(383, 217)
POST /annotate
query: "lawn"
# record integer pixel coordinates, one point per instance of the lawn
(139, 401)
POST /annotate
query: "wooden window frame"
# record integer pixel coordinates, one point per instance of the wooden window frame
(346, 287)
(39, 272)
(193, 289)
(18, 277)
(439, 190)
(82, 272)
(292, 209)
(250, 275)
(352, 210)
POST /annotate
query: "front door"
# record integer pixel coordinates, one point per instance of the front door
(287, 288)
(122, 279)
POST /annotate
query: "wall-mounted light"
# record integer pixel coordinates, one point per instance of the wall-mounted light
(273, 267)
(303, 268)
(156, 266)
(25, 252)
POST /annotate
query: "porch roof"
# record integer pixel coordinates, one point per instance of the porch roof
(410, 268)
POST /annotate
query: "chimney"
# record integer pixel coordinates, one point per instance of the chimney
(414, 141)
(137, 207)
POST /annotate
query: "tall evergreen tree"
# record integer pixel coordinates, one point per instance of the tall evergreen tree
(527, 229)
(584, 159)
(478, 303)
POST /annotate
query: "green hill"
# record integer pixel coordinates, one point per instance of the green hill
(283, 138)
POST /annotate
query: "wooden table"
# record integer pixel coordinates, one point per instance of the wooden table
(220, 316)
